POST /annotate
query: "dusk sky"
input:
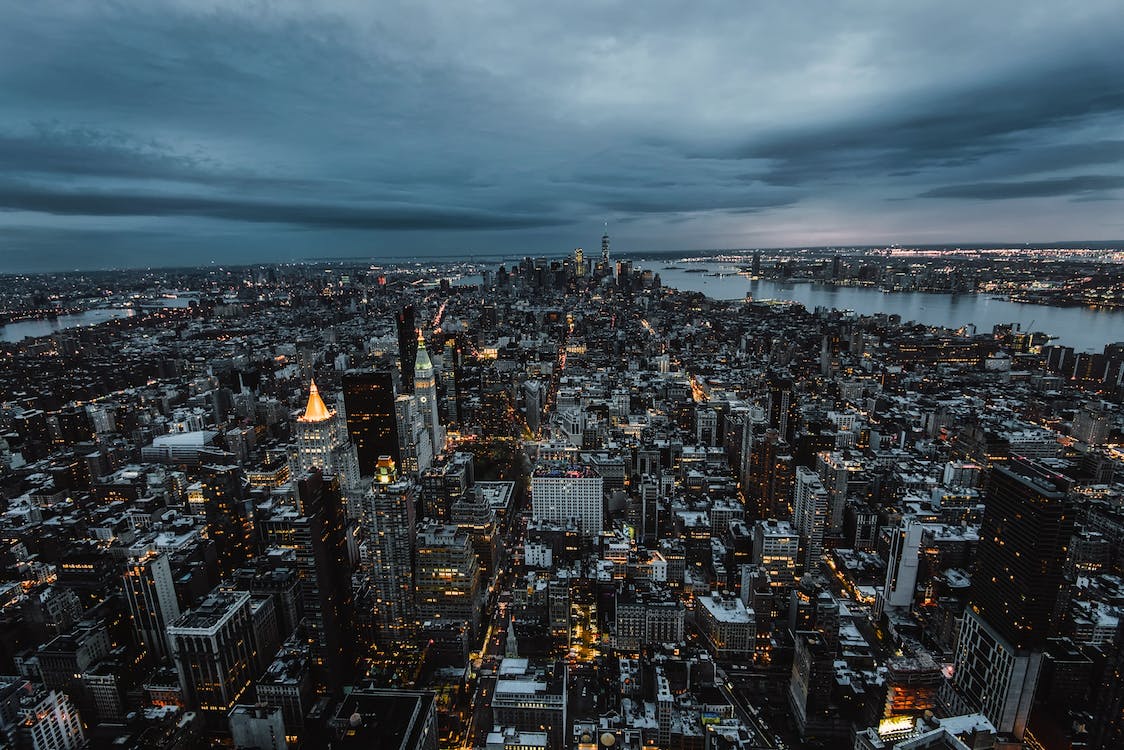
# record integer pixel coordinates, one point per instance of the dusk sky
(176, 133)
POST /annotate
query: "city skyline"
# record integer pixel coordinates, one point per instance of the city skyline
(178, 134)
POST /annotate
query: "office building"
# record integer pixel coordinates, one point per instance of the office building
(383, 718)
(901, 570)
(415, 445)
(781, 407)
(389, 519)
(215, 652)
(776, 549)
(532, 699)
(446, 576)
(1027, 524)
(425, 392)
(44, 719)
(727, 625)
(407, 326)
(809, 516)
(151, 595)
(563, 493)
(259, 727)
(450, 376)
(314, 527)
(323, 443)
(372, 422)
(221, 500)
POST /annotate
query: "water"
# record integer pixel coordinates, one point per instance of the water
(1080, 327)
(46, 326)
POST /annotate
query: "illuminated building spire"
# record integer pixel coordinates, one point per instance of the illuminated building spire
(315, 411)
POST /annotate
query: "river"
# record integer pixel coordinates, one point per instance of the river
(46, 326)
(1082, 328)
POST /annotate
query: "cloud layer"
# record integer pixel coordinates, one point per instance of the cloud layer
(159, 132)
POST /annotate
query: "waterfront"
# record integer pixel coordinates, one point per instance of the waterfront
(14, 332)
(1082, 328)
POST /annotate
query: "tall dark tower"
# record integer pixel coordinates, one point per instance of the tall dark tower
(372, 423)
(221, 493)
(316, 530)
(1028, 521)
(783, 413)
(605, 247)
(756, 262)
(407, 346)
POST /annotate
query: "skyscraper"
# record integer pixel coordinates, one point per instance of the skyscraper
(605, 247)
(322, 442)
(407, 346)
(1028, 521)
(414, 444)
(901, 571)
(215, 653)
(450, 374)
(151, 595)
(425, 391)
(447, 575)
(809, 515)
(782, 407)
(389, 520)
(368, 400)
(315, 527)
(561, 493)
(222, 498)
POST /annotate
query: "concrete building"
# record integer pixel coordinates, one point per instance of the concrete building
(561, 493)
(727, 625)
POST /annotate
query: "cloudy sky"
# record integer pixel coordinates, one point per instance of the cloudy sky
(161, 132)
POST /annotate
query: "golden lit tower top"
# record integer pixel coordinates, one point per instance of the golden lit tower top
(316, 411)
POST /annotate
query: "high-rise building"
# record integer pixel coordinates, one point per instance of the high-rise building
(901, 570)
(414, 443)
(372, 423)
(314, 526)
(407, 345)
(809, 515)
(561, 493)
(221, 500)
(46, 720)
(259, 726)
(579, 262)
(783, 414)
(323, 443)
(425, 391)
(215, 653)
(447, 575)
(776, 549)
(756, 263)
(389, 519)
(151, 594)
(1027, 524)
(531, 699)
(450, 374)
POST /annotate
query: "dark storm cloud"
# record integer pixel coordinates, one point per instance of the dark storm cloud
(422, 126)
(1081, 185)
(309, 215)
(954, 129)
